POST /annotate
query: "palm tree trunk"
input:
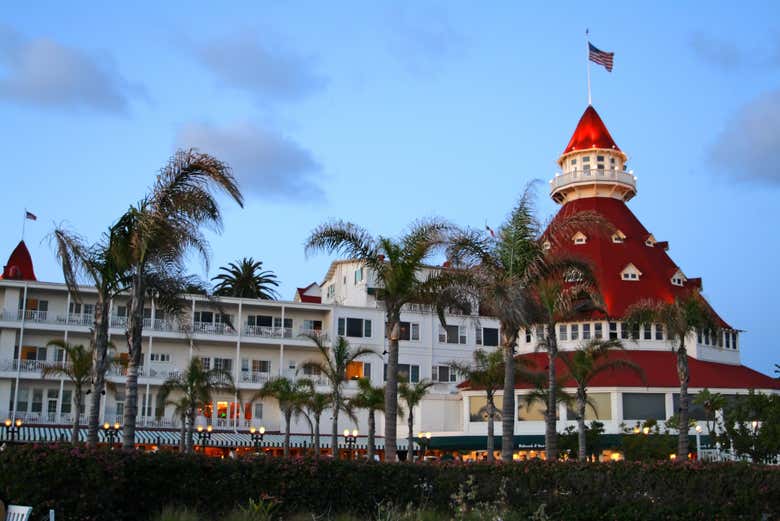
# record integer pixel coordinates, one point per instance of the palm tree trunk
(491, 408)
(287, 420)
(682, 373)
(508, 408)
(188, 444)
(410, 436)
(182, 434)
(371, 434)
(74, 434)
(581, 439)
(100, 348)
(317, 437)
(334, 432)
(391, 386)
(550, 431)
(134, 331)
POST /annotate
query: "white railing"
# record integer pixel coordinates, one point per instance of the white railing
(29, 316)
(79, 319)
(117, 321)
(164, 372)
(581, 176)
(27, 366)
(254, 377)
(269, 332)
(210, 328)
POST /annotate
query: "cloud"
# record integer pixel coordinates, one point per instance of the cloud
(269, 73)
(747, 148)
(727, 55)
(423, 41)
(266, 164)
(42, 72)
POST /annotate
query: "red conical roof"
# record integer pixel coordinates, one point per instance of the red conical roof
(20, 265)
(590, 133)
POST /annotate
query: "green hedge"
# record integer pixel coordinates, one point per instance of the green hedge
(96, 485)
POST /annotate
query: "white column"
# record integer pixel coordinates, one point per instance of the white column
(19, 355)
(237, 371)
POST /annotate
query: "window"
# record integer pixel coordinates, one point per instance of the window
(367, 370)
(37, 400)
(540, 332)
(601, 402)
(478, 411)
(600, 162)
(160, 357)
(598, 330)
(67, 397)
(23, 396)
(258, 412)
(409, 331)
(204, 317)
(527, 336)
(728, 339)
(650, 241)
(121, 311)
(358, 275)
(312, 325)
(443, 373)
(313, 371)
(287, 323)
(487, 336)
(579, 238)
(331, 291)
(647, 332)
(410, 373)
(206, 362)
(618, 237)
(613, 334)
(354, 327)
(659, 332)
(612, 163)
(630, 272)
(533, 412)
(635, 332)
(34, 353)
(644, 406)
(261, 366)
(695, 411)
(707, 337)
(452, 334)
(223, 364)
(574, 161)
(575, 331)
(562, 332)
(586, 331)
(623, 331)
(734, 339)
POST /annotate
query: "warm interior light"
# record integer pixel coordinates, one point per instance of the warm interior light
(428, 435)
(116, 425)
(18, 422)
(8, 422)
(200, 428)
(646, 430)
(346, 432)
(672, 456)
(355, 433)
(698, 428)
(209, 428)
(105, 426)
(252, 430)
(262, 430)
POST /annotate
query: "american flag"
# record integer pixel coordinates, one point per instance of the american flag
(602, 58)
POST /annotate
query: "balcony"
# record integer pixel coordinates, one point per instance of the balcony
(212, 328)
(254, 377)
(623, 183)
(269, 332)
(29, 316)
(26, 366)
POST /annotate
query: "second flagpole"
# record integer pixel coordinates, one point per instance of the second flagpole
(587, 63)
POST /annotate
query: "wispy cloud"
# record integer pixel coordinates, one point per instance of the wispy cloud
(45, 73)
(747, 148)
(424, 40)
(267, 72)
(727, 55)
(267, 164)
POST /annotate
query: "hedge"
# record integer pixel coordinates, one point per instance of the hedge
(87, 485)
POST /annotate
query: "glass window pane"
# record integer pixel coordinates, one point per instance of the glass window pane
(478, 408)
(602, 404)
(490, 336)
(644, 406)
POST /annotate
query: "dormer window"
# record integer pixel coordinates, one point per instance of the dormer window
(650, 241)
(546, 245)
(574, 161)
(618, 237)
(579, 238)
(631, 273)
(678, 279)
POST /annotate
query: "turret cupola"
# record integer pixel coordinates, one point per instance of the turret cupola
(592, 165)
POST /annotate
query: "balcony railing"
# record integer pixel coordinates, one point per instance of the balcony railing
(254, 377)
(269, 332)
(29, 316)
(26, 366)
(581, 176)
(211, 328)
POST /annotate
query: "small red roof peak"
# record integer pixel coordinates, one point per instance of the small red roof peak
(19, 265)
(590, 133)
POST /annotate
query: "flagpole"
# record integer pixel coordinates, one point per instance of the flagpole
(24, 222)
(587, 63)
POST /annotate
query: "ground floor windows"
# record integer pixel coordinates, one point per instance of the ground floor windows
(410, 373)
(644, 406)
(443, 373)
(599, 408)
(478, 410)
(487, 336)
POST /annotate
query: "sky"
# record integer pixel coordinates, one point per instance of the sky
(380, 113)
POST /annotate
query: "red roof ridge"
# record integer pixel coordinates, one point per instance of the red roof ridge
(19, 265)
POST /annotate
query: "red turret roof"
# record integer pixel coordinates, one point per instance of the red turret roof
(590, 133)
(660, 370)
(19, 265)
(608, 259)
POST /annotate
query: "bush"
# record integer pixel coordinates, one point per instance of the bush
(88, 485)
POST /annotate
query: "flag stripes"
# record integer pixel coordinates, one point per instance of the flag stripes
(602, 58)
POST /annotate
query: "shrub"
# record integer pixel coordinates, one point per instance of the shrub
(88, 485)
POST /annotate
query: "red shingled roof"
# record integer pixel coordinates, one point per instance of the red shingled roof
(660, 369)
(308, 298)
(608, 259)
(590, 133)
(19, 265)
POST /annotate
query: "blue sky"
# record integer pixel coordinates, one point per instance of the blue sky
(380, 113)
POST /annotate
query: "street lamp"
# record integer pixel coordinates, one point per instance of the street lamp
(698, 442)
(12, 428)
(350, 438)
(204, 435)
(646, 430)
(257, 437)
(424, 440)
(111, 432)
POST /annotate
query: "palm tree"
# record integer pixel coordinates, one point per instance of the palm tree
(680, 318)
(315, 404)
(78, 369)
(412, 395)
(246, 279)
(508, 268)
(96, 264)
(291, 397)
(181, 408)
(372, 399)
(154, 237)
(711, 403)
(395, 266)
(333, 365)
(197, 385)
(541, 394)
(583, 365)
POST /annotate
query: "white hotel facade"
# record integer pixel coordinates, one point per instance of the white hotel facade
(265, 340)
